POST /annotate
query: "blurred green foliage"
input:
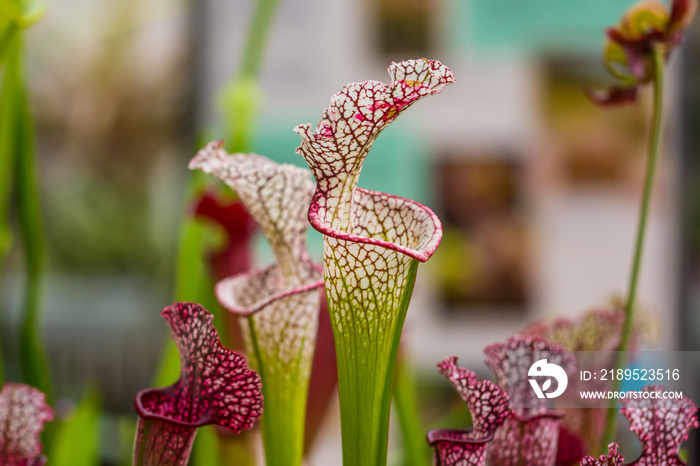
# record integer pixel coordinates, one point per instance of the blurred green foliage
(77, 439)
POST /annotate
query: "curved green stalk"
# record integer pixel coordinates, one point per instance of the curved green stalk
(9, 43)
(653, 150)
(17, 162)
(22, 17)
(257, 37)
(7, 32)
(416, 452)
(285, 405)
(241, 97)
(33, 356)
(11, 9)
(8, 124)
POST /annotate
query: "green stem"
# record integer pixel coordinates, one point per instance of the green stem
(8, 143)
(239, 447)
(17, 157)
(257, 37)
(416, 449)
(241, 97)
(9, 45)
(654, 144)
(6, 36)
(285, 390)
(17, 154)
(30, 224)
(12, 10)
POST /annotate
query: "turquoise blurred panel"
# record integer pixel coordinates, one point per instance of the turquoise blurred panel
(397, 163)
(533, 25)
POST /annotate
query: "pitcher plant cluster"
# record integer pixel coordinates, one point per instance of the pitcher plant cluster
(372, 245)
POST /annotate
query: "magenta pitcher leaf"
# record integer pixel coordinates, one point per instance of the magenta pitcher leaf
(23, 412)
(530, 435)
(597, 332)
(372, 242)
(661, 424)
(215, 387)
(488, 406)
(457, 448)
(613, 458)
(487, 403)
(530, 440)
(279, 305)
(511, 362)
(570, 448)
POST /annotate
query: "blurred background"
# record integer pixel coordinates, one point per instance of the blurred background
(537, 188)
